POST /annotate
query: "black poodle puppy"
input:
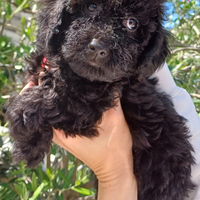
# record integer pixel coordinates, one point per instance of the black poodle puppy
(97, 51)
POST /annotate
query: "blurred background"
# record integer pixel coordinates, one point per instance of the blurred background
(61, 176)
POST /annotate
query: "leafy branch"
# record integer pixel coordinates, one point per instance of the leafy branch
(189, 22)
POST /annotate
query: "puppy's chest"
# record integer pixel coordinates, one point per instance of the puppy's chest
(84, 102)
(99, 96)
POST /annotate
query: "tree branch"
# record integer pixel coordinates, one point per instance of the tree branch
(195, 95)
(188, 68)
(2, 114)
(5, 65)
(3, 25)
(186, 49)
(176, 43)
(73, 179)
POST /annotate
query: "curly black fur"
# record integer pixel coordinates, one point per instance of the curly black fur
(82, 83)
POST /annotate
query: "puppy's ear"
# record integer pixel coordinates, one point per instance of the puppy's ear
(157, 49)
(155, 53)
(52, 17)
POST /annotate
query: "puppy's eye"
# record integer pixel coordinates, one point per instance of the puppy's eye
(91, 7)
(132, 24)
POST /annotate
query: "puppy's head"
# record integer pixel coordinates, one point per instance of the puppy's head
(105, 40)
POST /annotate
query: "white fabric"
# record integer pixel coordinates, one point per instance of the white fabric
(185, 107)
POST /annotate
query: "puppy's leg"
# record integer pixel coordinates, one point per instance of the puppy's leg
(52, 104)
(161, 149)
(29, 127)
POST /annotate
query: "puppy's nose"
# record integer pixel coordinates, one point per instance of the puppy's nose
(98, 49)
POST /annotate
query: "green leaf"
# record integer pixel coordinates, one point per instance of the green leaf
(18, 188)
(62, 177)
(22, 167)
(83, 191)
(67, 178)
(22, 190)
(42, 175)
(3, 43)
(7, 193)
(34, 182)
(48, 172)
(39, 190)
(20, 7)
(23, 22)
(18, 2)
(9, 9)
(25, 193)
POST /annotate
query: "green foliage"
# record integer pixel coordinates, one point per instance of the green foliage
(20, 183)
(12, 53)
(185, 59)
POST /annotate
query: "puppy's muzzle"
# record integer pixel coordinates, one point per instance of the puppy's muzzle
(98, 52)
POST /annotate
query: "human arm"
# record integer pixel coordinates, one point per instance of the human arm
(182, 103)
(185, 107)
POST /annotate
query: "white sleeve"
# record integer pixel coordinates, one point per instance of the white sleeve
(185, 107)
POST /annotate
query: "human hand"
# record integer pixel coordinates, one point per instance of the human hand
(107, 154)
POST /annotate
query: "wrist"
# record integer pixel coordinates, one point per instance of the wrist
(121, 187)
(114, 166)
(116, 179)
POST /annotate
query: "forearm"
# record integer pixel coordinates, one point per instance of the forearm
(185, 107)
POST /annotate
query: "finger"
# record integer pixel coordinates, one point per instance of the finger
(42, 73)
(40, 77)
(28, 85)
(47, 67)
